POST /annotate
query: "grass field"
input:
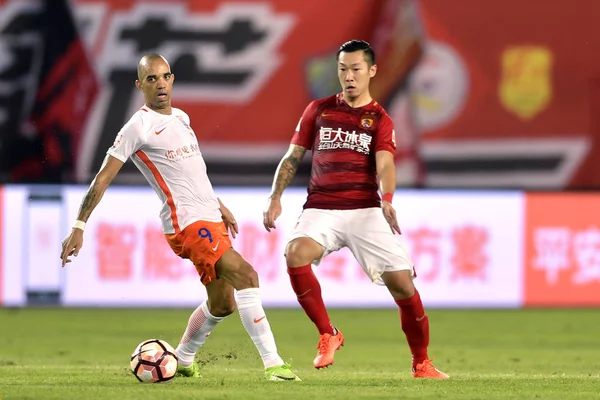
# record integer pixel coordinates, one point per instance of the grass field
(495, 354)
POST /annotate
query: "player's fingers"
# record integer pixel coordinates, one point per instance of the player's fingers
(266, 224)
(270, 220)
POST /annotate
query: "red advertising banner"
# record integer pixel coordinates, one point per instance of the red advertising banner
(482, 93)
(562, 250)
(514, 99)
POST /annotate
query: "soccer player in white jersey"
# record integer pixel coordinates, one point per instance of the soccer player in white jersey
(163, 146)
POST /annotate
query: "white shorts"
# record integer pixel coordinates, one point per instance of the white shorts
(364, 231)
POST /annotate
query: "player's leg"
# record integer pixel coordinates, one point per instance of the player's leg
(300, 253)
(385, 261)
(414, 321)
(204, 319)
(208, 246)
(313, 238)
(234, 269)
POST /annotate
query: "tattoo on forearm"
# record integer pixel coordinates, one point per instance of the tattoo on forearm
(90, 201)
(287, 170)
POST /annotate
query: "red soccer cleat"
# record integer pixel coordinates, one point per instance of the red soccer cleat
(328, 345)
(428, 371)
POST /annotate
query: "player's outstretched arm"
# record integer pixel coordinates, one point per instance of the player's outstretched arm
(386, 171)
(283, 177)
(74, 241)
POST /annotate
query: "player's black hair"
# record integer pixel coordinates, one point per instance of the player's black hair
(358, 45)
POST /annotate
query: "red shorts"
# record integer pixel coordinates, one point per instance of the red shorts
(204, 243)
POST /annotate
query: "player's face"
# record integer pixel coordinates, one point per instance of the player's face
(156, 84)
(354, 73)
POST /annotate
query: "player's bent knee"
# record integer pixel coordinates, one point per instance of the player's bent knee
(399, 283)
(245, 277)
(302, 251)
(234, 269)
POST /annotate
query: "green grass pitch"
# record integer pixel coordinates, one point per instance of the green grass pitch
(489, 354)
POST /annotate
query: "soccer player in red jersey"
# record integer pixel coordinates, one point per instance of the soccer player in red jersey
(352, 140)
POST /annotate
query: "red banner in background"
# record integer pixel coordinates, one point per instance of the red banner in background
(562, 250)
(523, 116)
(239, 67)
(503, 96)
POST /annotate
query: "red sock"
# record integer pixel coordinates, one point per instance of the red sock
(307, 288)
(415, 325)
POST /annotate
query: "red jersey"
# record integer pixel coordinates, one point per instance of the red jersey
(344, 141)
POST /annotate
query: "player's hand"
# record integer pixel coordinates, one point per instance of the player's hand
(230, 222)
(390, 216)
(71, 245)
(272, 212)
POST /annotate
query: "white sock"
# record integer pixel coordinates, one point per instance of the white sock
(200, 325)
(255, 321)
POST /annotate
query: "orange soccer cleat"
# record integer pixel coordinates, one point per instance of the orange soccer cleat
(428, 371)
(328, 345)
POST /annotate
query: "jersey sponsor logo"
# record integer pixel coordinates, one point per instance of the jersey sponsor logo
(332, 139)
(183, 152)
(159, 132)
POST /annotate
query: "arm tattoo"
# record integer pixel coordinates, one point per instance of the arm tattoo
(90, 201)
(287, 170)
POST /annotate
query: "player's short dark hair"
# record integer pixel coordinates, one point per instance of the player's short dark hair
(358, 45)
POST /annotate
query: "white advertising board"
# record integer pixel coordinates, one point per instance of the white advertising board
(467, 249)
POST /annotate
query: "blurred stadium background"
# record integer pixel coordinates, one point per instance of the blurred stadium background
(497, 112)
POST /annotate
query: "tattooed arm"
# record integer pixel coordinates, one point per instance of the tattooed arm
(283, 177)
(287, 170)
(74, 241)
(110, 168)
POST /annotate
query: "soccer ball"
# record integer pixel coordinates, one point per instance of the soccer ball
(154, 360)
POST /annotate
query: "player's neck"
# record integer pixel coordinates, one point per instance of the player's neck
(165, 111)
(358, 101)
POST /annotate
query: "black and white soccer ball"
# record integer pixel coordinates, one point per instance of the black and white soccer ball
(154, 360)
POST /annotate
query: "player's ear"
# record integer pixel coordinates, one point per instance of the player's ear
(372, 70)
(172, 78)
(138, 84)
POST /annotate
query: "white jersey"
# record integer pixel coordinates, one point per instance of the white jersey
(165, 149)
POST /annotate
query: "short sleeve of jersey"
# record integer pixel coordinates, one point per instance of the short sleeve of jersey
(386, 136)
(306, 127)
(128, 140)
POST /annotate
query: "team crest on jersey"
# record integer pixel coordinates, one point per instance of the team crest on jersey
(366, 122)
